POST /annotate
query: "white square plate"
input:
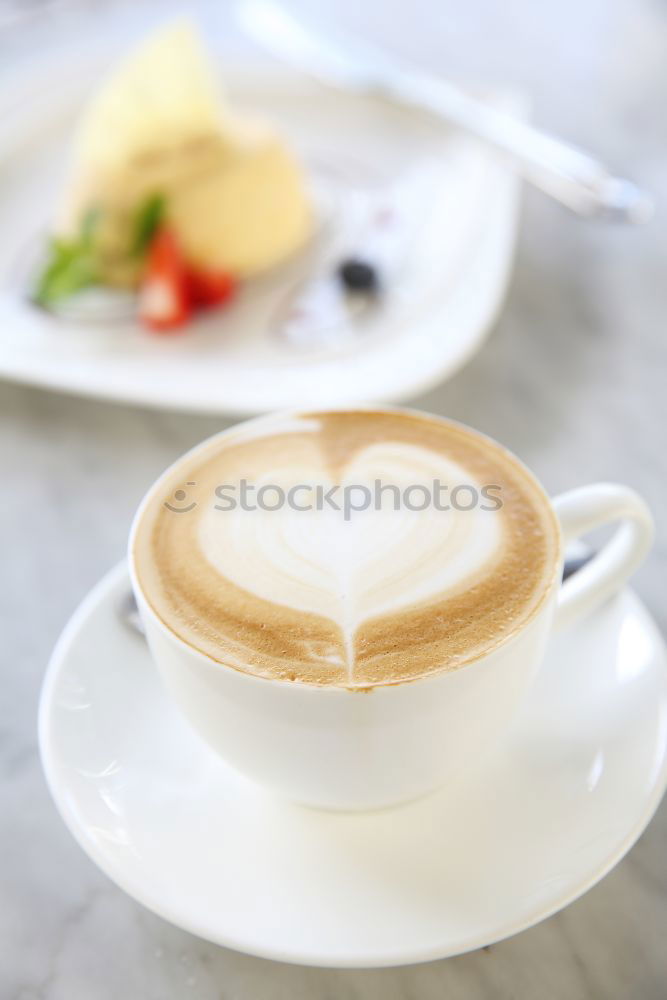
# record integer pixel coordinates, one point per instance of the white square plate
(453, 208)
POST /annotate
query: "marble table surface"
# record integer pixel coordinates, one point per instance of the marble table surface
(572, 379)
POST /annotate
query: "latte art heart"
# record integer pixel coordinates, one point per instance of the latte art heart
(350, 570)
(347, 597)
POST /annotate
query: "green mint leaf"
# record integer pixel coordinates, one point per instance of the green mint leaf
(71, 264)
(149, 217)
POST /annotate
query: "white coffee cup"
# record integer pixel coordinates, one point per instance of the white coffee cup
(335, 748)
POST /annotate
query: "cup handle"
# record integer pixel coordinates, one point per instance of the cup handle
(584, 509)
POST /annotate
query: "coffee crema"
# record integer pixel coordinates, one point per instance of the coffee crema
(382, 597)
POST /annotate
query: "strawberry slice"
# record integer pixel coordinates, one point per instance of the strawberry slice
(164, 296)
(210, 288)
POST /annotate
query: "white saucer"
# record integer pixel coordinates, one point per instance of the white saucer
(444, 288)
(566, 797)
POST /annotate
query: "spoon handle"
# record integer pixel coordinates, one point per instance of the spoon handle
(562, 171)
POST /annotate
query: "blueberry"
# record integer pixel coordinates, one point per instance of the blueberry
(359, 276)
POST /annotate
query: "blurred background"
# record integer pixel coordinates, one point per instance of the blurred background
(571, 379)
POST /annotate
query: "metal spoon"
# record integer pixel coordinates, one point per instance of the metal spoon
(560, 170)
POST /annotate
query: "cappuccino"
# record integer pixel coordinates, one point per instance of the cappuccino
(351, 548)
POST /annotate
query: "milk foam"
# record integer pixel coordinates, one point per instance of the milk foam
(373, 563)
(383, 596)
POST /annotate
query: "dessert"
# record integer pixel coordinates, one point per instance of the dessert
(170, 192)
